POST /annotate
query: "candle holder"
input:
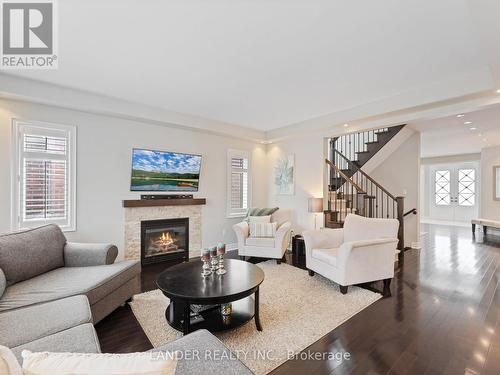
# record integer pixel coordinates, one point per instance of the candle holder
(221, 250)
(205, 258)
(214, 259)
(226, 309)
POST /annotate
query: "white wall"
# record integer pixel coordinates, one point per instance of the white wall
(400, 175)
(490, 208)
(309, 165)
(104, 147)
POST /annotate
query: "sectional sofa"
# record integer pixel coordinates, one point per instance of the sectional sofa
(52, 292)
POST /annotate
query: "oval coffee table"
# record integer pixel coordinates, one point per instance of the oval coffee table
(184, 286)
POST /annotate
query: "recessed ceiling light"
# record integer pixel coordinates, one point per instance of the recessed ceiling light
(467, 122)
(460, 115)
(498, 91)
(480, 135)
(473, 128)
(346, 125)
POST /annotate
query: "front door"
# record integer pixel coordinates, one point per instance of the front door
(455, 193)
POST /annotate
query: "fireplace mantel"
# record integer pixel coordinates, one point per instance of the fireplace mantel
(137, 211)
(163, 202)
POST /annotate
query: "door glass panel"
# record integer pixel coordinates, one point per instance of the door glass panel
(466, 187)
(442, 186)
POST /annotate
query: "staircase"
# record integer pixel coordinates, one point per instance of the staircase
(350, 189)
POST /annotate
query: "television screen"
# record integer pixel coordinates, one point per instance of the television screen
(164, 171)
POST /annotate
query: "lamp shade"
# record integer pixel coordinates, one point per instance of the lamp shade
(315, 205)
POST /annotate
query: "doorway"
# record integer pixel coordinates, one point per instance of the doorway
(451, 192)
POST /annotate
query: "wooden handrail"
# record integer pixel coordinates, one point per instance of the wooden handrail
(365, 175)
(412, 211)
(345, 177)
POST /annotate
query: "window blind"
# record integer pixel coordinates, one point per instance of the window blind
(238, 189)
(46, 175)
(45, 189)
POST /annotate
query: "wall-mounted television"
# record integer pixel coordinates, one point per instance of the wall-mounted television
(164, 171)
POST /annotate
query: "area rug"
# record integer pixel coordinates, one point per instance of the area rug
(295, 311)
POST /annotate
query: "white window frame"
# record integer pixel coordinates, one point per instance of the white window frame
(233, 213)
(19, 128)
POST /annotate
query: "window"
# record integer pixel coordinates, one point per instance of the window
(442, 186)
(467, 187)
(43, 175)
(238, 183)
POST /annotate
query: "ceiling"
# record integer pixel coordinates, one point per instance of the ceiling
(453, 135)
(269, 64)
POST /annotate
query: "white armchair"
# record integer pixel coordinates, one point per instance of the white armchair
(363, 251)
(273, 248)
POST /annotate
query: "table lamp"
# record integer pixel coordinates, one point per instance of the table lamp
(315, 205)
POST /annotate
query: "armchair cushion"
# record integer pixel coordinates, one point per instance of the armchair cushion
(359, 228)
(326, 255)
(30, 253)
(267, 230)
(89, 254)
(324, 238)
(260, 241)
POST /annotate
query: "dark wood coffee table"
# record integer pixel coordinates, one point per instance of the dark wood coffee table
(184, 286)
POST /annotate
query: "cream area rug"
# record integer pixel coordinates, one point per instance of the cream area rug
(295, 311)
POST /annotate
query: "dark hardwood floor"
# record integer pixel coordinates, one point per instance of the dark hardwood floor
(443, 316)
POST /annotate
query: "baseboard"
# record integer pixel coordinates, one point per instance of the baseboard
(445, 222)
(232, 246)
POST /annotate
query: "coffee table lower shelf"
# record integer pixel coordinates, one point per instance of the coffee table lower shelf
(242, 311)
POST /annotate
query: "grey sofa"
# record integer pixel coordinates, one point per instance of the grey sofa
(39, 265)
(63, 325)
(66, 326)
(51, 291)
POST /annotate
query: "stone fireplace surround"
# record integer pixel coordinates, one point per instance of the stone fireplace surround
(142, 210)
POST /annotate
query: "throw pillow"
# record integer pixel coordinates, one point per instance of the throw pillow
(3, 283)
(263, 230)
(8, 362)
(255, 211)
(102, 364)
(259, 219)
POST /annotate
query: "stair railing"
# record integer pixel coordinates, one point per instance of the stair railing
(344, 197)
(353, 143)
(378, 202)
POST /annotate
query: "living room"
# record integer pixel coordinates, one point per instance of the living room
(199, 191)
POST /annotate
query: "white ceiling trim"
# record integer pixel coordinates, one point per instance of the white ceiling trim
(23, 89)
(454, 87)
(476, 90)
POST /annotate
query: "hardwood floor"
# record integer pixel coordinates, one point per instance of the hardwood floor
(443, 316)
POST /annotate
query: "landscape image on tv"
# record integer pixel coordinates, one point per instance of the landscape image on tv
(164, 171)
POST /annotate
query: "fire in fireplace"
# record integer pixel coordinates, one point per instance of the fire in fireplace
(163, 240)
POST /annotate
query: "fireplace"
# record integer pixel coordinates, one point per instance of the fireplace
(165, 239)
